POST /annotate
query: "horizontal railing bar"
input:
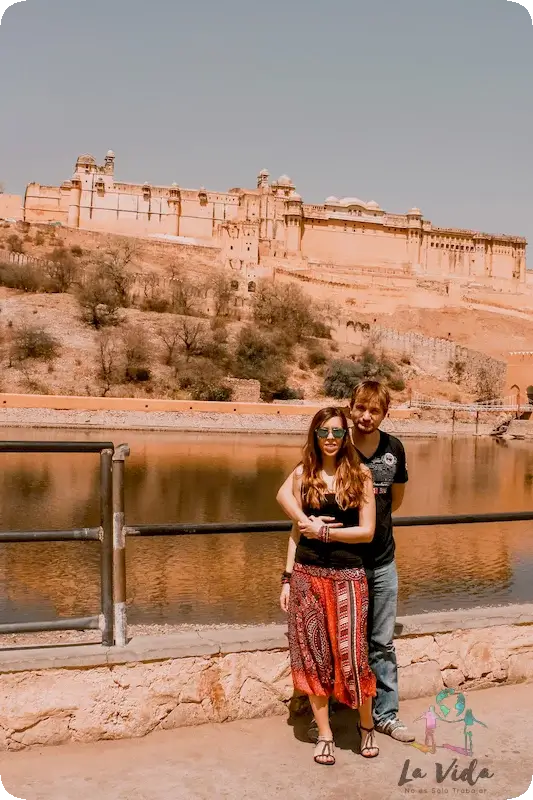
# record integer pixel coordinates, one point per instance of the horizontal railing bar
(76, 535)
(72, 624)
(55, 447)
(185, 529)
(462, 519)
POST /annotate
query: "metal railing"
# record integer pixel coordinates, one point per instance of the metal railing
(114, 531)
(103, 534)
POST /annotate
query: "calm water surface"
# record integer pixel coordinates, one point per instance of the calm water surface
(175, 477)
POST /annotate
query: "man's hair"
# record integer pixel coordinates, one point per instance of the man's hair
(369, 390)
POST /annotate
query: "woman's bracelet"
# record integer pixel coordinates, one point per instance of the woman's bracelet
(324, 534)
(286, 578)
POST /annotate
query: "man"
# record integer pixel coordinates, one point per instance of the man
(384, 455)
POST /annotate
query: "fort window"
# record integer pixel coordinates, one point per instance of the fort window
(234, 285)
(251, 286)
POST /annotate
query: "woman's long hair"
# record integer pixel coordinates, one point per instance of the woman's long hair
(349, 478)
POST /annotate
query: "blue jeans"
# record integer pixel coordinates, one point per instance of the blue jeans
(383, 599)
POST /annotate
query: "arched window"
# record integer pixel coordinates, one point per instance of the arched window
(251, 286)
(234, 286)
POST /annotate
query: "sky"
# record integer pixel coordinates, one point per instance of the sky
(412, 103)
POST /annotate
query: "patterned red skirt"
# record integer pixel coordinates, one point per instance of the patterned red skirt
(328, 611)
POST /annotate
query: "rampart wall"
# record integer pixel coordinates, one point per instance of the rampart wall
(439, 357)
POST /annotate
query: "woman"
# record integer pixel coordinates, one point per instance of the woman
(324, 586)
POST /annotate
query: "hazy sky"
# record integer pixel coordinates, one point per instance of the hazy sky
(407, 103)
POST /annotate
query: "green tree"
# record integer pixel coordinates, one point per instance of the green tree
(257, 358)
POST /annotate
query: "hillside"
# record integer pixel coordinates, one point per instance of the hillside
(86, 355)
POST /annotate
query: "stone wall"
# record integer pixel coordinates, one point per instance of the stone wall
(86, 693)
(434, 356)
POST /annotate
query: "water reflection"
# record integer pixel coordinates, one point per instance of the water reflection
(206, 478)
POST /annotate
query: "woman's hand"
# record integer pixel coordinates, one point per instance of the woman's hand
(311, 528)
(284, 597)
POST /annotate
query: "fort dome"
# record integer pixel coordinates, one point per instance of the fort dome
(415, 211)
(332, 199)
(284, 180)
(264, 173)
(87, 159)
(295, 196)
(352, 201)
(110, 154)
(373, 205)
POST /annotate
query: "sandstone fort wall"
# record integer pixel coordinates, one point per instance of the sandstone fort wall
(435, 356)
(272, 220)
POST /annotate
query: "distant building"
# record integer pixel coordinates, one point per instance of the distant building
(253, 226)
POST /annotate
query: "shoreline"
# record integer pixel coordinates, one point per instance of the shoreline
(212, 422)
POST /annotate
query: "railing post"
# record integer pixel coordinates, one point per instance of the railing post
(119, 547)
(106, 558)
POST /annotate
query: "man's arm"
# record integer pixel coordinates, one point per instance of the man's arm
(398, 492)
(400, 479)
(288, 501)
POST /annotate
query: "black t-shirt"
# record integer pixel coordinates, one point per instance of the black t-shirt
(388, 465)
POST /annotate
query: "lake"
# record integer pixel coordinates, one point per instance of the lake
(178, 477)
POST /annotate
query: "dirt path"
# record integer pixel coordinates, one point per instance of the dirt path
(269, 758)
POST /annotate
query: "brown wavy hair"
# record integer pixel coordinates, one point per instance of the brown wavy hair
(349, 475)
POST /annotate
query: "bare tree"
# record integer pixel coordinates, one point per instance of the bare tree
(187, 291)
(220, 284)
(61, 270)
(190, 334)
(182, 334)
(116, 263)
(155, 298)
(98, 299)
(170, 337)
(137, 356)
(108, 361)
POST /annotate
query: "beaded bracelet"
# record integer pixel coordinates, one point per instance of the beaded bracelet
(324, 534)
(286, 578)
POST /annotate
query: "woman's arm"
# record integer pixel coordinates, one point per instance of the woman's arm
(293, 509)
(294, 481)
(364, 532)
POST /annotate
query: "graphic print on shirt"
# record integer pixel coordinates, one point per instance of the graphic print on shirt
(383, 470)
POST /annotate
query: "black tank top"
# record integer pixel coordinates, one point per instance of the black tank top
(335, 555)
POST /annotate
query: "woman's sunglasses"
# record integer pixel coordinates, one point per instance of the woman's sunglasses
(338, 433)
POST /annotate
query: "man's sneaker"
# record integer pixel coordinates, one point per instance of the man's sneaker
(395, 729)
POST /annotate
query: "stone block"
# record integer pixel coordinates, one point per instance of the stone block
(423, 679)
(50, 731)
(475, 652)
(520, 667)
(413, 649)
(453, 678)
(185, 714)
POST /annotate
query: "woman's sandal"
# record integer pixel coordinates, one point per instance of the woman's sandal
(367, 747)
(325, 751)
